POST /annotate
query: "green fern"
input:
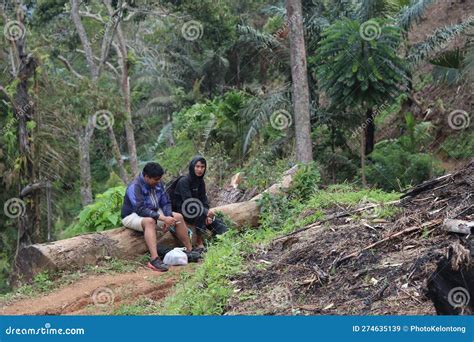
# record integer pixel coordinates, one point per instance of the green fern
(259, 110)
(261, 40)
(448, 67)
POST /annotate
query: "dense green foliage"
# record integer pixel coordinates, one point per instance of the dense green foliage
(103, 214)
(357, 63)
(399, 163)
(460, 146)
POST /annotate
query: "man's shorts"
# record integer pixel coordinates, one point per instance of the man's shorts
(133, 221)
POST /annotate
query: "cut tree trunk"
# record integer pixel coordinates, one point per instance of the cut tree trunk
(458, 226)
(121, 243)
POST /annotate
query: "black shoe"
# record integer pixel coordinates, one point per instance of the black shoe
(157, 265)
(193, 256)
(199, 250)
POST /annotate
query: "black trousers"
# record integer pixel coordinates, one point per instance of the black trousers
(216, 227)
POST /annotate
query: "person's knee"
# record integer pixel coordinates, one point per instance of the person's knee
(178, 217)
(148, 222)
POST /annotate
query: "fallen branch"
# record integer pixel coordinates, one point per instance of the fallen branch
(336, 216)
(424, 186)
(388, 238)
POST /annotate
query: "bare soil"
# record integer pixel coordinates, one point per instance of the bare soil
(99, 294)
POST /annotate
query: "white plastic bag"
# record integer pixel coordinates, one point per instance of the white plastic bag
(176, 257)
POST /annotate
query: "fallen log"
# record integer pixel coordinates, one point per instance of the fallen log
(458, 226)
(88, 249)
(241, 213)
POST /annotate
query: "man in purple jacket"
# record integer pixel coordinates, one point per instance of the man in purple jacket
(144, 204)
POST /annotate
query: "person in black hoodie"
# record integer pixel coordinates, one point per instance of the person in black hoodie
(189, 198)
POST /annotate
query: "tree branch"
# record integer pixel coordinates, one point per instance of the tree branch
(70, 68)
(110, 29)
(90, 15)
(111, 67)
(76, 18)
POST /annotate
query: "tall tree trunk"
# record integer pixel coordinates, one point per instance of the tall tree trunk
(369, 132)
(125, 87)
(84, 139)
(24, 65)
(129, 133)
(117, 155)
(85, 134)
(24, 112)
(304, 151)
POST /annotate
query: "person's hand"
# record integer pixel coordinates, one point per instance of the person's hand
(165, 228)
(169, 220)
(210, 214)
(209, 220)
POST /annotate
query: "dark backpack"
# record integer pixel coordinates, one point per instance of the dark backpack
(170, 187)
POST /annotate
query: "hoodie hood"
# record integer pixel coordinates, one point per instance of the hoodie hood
(193, 163)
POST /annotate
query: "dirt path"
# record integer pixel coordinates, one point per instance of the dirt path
(99, 294)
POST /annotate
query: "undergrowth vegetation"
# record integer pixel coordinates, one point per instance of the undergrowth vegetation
(103, 214)
(207, 290)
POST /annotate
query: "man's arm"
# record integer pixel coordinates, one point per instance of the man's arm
(137, 199)
(165, 203)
